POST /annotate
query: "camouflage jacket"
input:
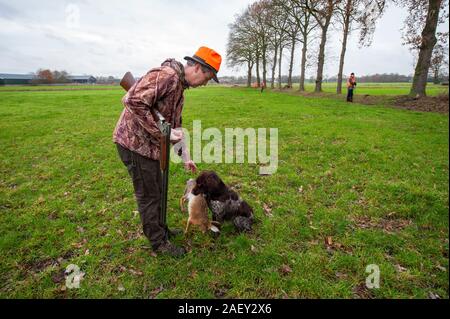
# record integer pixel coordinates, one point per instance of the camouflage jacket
(161, 88)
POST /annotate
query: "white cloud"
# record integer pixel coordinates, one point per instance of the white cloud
(111, 37)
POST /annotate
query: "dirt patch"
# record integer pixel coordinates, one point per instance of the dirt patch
(43, 264)
(387, 225)
(437, 104)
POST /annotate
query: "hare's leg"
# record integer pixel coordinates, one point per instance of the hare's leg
(182, 201)
(187, 226)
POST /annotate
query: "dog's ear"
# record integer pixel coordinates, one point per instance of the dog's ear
(200, 180)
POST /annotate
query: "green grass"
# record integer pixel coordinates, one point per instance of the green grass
(57, 87)
(64, 194)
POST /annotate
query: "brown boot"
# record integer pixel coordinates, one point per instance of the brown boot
(170, 249)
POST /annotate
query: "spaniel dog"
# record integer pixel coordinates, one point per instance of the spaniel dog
(223, 202)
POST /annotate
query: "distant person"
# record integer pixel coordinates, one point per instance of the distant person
(263, 86)
(351, 84)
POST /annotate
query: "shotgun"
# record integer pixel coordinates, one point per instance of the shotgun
(127, 83)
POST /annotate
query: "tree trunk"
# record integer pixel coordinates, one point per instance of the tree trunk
(426, 49)
(279, 67)
(436, 75)
(291, 64)
(274, 67)
(323, 42)
(249, 74)
(344, 45)
(303, 70)
(264, 58)
(258, 78)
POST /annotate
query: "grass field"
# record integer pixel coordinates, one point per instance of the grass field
(362, 89)
(356, 185)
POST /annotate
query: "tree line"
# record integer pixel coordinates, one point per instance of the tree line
(47, 76)
(268, 28)
(370, 78)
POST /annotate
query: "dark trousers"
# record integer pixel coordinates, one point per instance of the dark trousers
(350, 95)
(146, 176)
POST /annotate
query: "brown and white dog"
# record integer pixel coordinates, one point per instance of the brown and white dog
(224, 203)
(198, 210)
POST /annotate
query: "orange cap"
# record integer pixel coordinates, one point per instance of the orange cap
(209, 58)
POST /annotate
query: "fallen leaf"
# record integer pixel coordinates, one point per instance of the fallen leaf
(341, 275)
(156, 292)
(59, 277)
(253, 248)
(136, 272)
(121, 288)
(400, 268)
(122, 268)
(267, 210)
(285, 269)
(329, 241)
(86, 253)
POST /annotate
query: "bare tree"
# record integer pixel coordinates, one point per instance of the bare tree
(60, 77)
(278, 22)
(323, 11)
(353, 14)
(241, 46)
(302, 20)
(424, 16)
(293, 31)
(259, 15)
(439, 59)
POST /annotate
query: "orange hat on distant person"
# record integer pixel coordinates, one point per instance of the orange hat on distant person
(209, 58)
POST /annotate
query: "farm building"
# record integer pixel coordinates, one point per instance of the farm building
(15, 79)
(82, 79)
(26, 79)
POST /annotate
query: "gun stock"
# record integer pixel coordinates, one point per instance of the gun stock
(127, 81)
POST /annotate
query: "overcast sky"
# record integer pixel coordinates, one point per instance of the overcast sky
(109, 37)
